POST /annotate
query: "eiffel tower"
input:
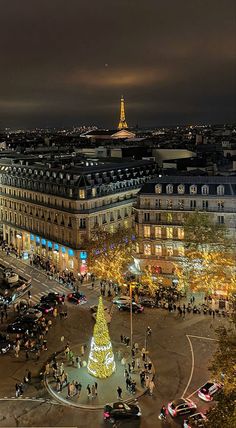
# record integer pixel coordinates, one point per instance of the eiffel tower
(122, 122)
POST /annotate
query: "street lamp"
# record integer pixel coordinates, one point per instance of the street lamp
(131, 286)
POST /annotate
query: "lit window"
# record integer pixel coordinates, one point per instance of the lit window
(158, 250)
(181, 250)
(94, 191)
(205, 190)
(169, 232)
(147, 249)
(169, 250)
(180, 233)
(169, 204)
(158, 188)
(169, 218)
(181, 204)
(220, 190)
(157, 232)
(181, 189)
(193, 189)
(169, 188)
(146, 232)
(137, 247)
(81, 193)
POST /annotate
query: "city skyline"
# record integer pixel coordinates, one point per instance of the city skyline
(64, 66)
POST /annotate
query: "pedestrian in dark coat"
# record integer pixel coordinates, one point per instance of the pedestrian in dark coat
(119, 393)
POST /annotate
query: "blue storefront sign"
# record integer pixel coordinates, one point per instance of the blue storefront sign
(83, 255)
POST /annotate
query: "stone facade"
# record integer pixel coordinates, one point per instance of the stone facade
(52, 210)
(160, 210)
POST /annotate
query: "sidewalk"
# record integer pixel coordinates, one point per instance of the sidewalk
(107, 388)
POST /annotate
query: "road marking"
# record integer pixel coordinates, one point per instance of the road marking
(192, 367)
(35, 279)
(201, 337)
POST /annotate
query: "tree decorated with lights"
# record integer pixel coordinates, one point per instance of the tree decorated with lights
(109, 254)
(209, 261)
(101, 363)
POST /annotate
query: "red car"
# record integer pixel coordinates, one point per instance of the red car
(77, 298)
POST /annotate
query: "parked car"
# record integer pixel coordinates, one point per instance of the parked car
(120, 410)
(45, 307)
(77, 298)
(53, 297)
(5, 344)
(136, 308)
(198, 420)
(150, 303)
(121, 299)
(207, 391)
(181, 406)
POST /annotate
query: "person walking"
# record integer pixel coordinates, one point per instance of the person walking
(88, 390)
(151, 386)
(93, 391)
(47, 369)
(119, 393)
(96, 388)
(121, 338)
(82, 350)
(79, 389)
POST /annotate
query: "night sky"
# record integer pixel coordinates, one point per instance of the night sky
(67, 62)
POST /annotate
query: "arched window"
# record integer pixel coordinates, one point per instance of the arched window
(205, 190)
(181, 189)
(169, 188)
(193, 189)
(158, 188)
(220, 190)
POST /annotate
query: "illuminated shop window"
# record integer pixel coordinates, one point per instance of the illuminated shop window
(146, 231)
(147, 249)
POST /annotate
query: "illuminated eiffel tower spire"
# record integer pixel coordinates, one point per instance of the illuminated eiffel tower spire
(122, 122)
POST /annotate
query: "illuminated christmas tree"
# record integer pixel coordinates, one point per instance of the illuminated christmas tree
(101, 361)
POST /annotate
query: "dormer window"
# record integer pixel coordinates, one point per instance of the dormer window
(205, 190)
(220, 190)
(158, 188)
(181, 189)
(169, 188)
(193, 189)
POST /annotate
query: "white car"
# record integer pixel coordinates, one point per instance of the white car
(207, 391)
(121, 299)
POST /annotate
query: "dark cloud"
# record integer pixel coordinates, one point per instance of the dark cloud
(67, 62)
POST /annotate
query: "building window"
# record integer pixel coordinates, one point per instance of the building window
(146, 216)
(220, 190)
(82, 223)
(137, 247)
(82, 193)
(181, 250)
(169, 188)
(181, 189)
(169, 250)
(193, 189)
(205, 205)
(192, 204)
(158, 250)
(180, 233)
(205, 190)
(158, 203)
(169, 218)
(221, 219)
(169, 204)
(94, 191)
(221, 205)
(157, 232)
(169, 232)
(181, 204)
(147, 249)
(146, 232)
(158, 188)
